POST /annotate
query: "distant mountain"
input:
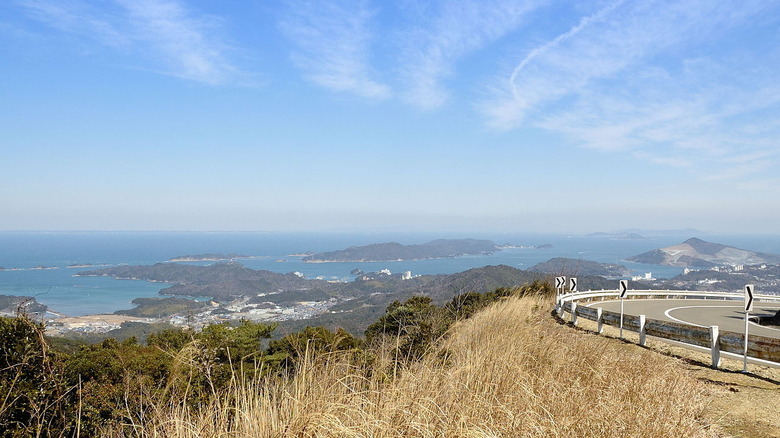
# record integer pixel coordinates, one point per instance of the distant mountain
(632, 233)
(569, 267)
(621, 236)
(392, 251)
(699, 253)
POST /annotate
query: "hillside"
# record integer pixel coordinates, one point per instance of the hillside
(354, 315)
(490, 364)
(574, 267)
(510, 371)
(391, 251)
(699, 253)
(11, 305)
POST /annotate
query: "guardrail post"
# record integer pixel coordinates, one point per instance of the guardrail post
(600, 319)
(715, 345)
(560, 309)
(574, 312)
(642, 335)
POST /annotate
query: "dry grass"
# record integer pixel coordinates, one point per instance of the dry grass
(509, 371)
(743, 405)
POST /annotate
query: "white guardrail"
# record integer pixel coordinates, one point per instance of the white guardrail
(761, 349)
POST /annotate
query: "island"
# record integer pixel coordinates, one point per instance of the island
(80, 265)
(392, 251)
(209, 257)
(698, 253)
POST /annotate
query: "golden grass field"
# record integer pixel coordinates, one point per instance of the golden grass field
(510, 371)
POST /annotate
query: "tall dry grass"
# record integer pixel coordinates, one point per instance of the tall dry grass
(507, 372)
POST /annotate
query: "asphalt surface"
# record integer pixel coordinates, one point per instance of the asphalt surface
(727, 314)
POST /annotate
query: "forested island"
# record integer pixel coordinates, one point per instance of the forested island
(393, 251)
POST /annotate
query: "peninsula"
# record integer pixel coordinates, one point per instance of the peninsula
(701, 254)
(392, 251)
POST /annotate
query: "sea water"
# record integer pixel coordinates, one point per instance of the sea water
(23, 255)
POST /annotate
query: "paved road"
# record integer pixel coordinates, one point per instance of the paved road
(727, 314)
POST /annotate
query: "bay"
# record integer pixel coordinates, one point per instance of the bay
(22, 254)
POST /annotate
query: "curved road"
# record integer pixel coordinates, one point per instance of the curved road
(729, 315)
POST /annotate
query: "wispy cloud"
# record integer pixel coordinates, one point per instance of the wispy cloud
(640, 78)
(185, 42)
(79, 18)
(333, 41)
(452, 31)
(180, 42)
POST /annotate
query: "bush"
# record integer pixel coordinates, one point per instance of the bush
(31, 384)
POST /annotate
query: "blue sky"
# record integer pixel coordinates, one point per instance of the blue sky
(404, 116)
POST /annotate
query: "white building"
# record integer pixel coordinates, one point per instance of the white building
(648, 277)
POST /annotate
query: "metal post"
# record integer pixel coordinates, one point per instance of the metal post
(574, 312)
(642, 336)
(715, 345)
(621, 318)
(600, 319)
(744, 357)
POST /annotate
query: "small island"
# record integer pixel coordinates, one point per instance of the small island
(392, 251)
(209, 257)
(81, 265)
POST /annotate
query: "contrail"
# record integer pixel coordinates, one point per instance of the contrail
(585, 22)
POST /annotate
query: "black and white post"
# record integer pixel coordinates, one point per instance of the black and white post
(748, 308)
(623, 289)
(560, 284)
